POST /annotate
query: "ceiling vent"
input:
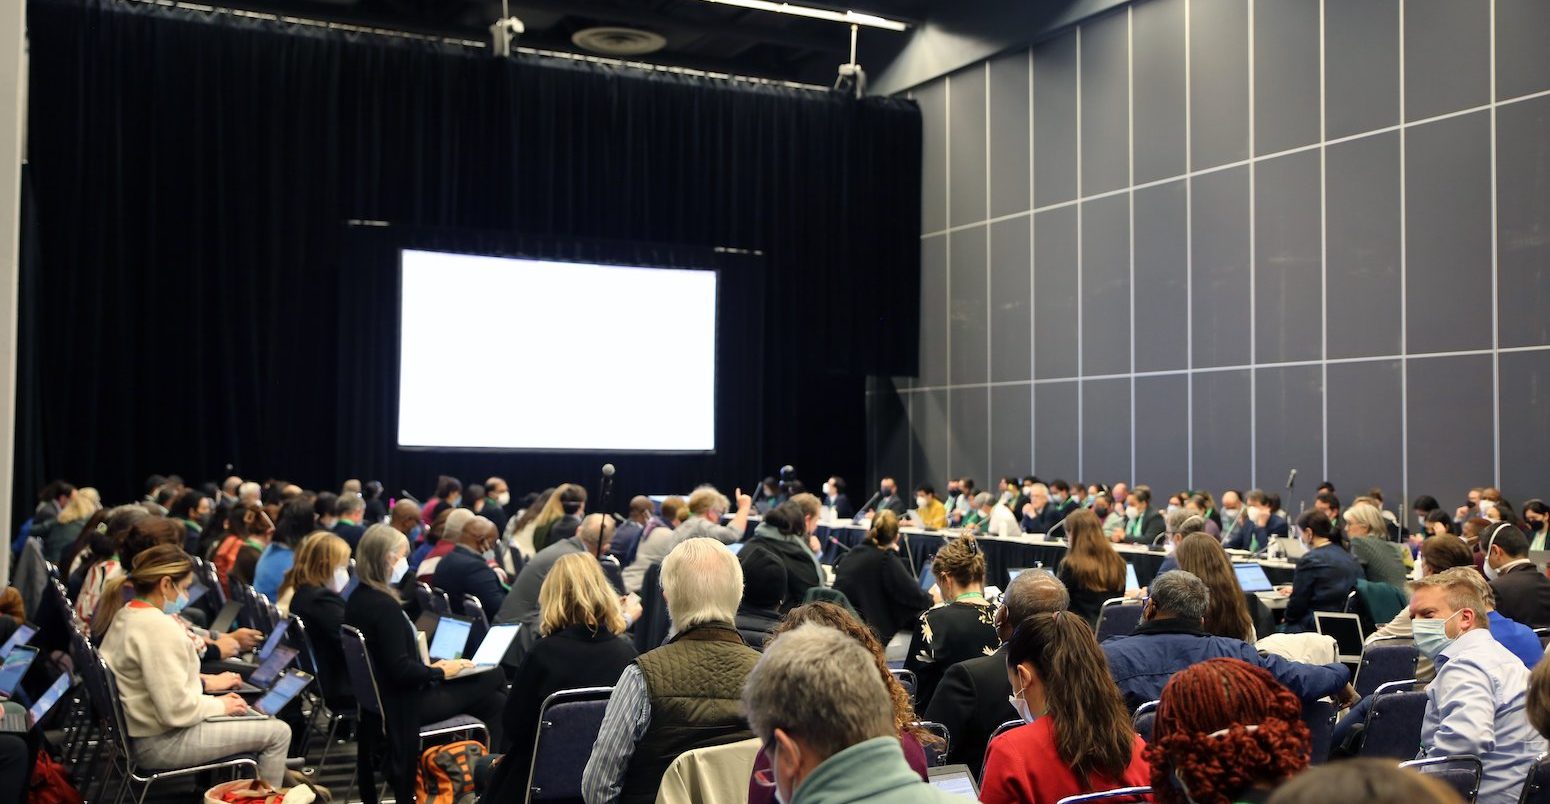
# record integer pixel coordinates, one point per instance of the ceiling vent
(610, 41)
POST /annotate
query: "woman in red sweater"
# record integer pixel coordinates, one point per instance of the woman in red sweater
(1079, 737)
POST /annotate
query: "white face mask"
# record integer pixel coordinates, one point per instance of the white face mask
(1023, 710)
(1132, 511)
(1228, 515)
(828, 490)
(1253, 512)
(340, 580)
(920, 502)
(1173, 509)
(504, 498)
(400, 569)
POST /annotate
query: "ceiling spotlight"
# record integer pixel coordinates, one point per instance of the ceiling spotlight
(846, 17)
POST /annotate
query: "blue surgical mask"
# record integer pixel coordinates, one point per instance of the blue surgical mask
(175, 606)
(1431, 636)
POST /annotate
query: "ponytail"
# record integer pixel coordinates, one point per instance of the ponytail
(885, 529)
(114, 596)
(1093, 731)
(151, 567)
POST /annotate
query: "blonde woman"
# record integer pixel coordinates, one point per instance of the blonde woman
(158, 675)
(72, 518)
(581, 646)
(312, 589)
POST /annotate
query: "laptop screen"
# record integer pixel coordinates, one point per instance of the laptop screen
(496, 642)
(1131, 584)
(289, 686)
(451, 638)
(196, 590)
(16, 664)
(1251, 577)
(50, 697)
(272, 666)
(735, 547)
(927, 577)
(957, 783)
(21, 636)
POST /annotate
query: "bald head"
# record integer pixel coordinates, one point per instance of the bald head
(479, 534)
(1033, 591)
(456, 521)
(641, 509)
(596, 532)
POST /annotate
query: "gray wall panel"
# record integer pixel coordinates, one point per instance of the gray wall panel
(1447, 56)
(1009, 300)
(1056, 434)
(1219, 82)
(1222, 307)
(1451, 420)
(928, 441)
(1525, 438)
(933, 310)
(1522, 57)
(932, 99)
(1106, 286)
(1054, 296)
(1287, 262)
(1365, 420)
(1523, 210)
(1361, 66)
(1054, 120)
(1289, 431)
(1105, 429)
(1010, 152)
(1363, 230)
(888, 432)
(1011, 433)
(968, 443)
(1162, 433)
(968, 330)
(1448, 229)
(1162, 278)
(966, 146)
(1222, 421)
(1286, 74)
(1106, 104)
(1160, 92)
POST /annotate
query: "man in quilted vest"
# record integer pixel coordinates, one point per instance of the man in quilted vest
(683, 695)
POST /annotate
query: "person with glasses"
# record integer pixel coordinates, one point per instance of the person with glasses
(824, 719)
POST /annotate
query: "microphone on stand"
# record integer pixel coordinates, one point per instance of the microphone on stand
(837, 543)
(877, 495)
(1051, 533)
(408, 496)
(605, 495)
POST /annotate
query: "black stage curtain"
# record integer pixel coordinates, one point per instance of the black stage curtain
(200, 298)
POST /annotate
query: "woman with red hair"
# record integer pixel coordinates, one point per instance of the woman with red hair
(1226, 732)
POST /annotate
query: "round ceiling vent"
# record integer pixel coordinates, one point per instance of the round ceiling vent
(609, 41)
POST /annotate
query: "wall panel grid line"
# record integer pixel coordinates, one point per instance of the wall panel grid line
(1294, 271)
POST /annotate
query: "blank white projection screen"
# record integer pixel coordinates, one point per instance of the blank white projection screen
(464, 318)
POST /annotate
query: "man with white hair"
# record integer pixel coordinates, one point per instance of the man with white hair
(816, 702)
(706, 508)
(229, 491)
(250, 492)
(685, 694)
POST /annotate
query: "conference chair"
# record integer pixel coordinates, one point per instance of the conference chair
(268, 613)
(368, 698)
(907, 680)
(1118, 617)
(936, 755)
(651, 628)
(1393, 725)
(1320, 719)
(1536, 788)
(1116, 795)
(440, 603)
(1544, 637)
(568, 723)
(1145, 719)
(1384, 661)
(1461, 772)
(1000, 730)
(423, 597)
(306, 656)
(473, 608)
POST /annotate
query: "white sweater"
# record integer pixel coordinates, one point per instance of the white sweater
(157, 673)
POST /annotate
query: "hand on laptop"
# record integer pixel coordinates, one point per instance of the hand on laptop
(234, 704)
(248, 638)
(220, 682)
(451, 667)
(1286, 591)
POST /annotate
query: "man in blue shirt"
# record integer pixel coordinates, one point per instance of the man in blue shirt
(1475, 705)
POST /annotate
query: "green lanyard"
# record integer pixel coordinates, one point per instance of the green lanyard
(980, 595)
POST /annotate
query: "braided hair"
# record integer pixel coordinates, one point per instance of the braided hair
(1223, 726)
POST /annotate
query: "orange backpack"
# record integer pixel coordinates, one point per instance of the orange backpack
(447, 772)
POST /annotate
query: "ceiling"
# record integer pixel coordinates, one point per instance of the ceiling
(700, 35)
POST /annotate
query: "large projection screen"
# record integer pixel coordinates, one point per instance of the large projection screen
(503, 353)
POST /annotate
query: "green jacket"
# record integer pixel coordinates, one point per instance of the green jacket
(871, 771)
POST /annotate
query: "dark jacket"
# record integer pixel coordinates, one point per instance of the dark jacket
(323, 613)
(1253, 537)
(569, 659)
(1152, 526)
(395, 658)
(1142, 662)
(882, 589)
(1042, 521)
(350, 533)
(842, 506)
(1380, 560)
(463, 572)
(971, 701)
(1321, 582)
(1086, 602)
(892, 502)
(947, 635)
(626, 538)
(1523, 594)
(801, 567)
(754, 625)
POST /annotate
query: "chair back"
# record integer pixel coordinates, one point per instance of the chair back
(1116, 795)
(906, 679)
(422, 597)
(1320, 719)
(1145, 718)
(247, 597)
(296, 634)
(1536, 788)
(1461, 772)
(1544, 637)
(204, 572)
(1118, 617)
(439, 602)
(936, 754)
(1000, 730)
(1383, 662)
(1393, 725)
(568, 723)
(651, 628)
(363, 680)
(268, 613)
(473, 608)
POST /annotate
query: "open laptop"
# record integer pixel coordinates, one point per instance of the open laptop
(268, 671)
(15, 666)
(275, 638)
(226, 617)
(927, 577)
(735, 547)
(17, 720)
(1131, 583)
(1251, 577)
(278, 697)
(21, 636)
(1346, 630)
(1291, 546)
(492, 649)
(450, 639)
(954, 780)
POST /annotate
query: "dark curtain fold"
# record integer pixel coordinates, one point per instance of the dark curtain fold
(200, 298)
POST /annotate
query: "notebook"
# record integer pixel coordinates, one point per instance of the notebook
(1252, 577)
(278, 697)
(16, 720)
(954, 780)
(15, 666)
(264, 677)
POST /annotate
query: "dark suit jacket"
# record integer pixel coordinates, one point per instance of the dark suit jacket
(893, 503)
(1321, 582)
(1523, 594)
(842, 507)
(626, 538)
(400, 674)
(882, 588)
(1152, 526)
(350, 533)
(323, 613)
(971, 702)
(1254, 537)
(1041, 522)
(462, 572)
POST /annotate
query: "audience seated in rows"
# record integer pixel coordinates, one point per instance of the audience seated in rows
(1522, 590)
(656, 542)
(521, 605)
(961, 627)
(1381, 559)
(1231, 612)
(561, 516)
(1324, 576)
(707, 506)
(764, 592)
(351, 511)
(1372, 781)
(315, 584)
(445, 534)
(297, 519)
(627, 537)
(782, 535)
(1091, 570)
(466, 568)
(1143, 523)
(879, 582)
(1261, 523)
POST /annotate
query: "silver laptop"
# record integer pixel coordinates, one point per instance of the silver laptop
(954, 780)
(278, 697)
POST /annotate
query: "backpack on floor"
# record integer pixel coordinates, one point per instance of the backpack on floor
(447, 772)
(50, 784)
